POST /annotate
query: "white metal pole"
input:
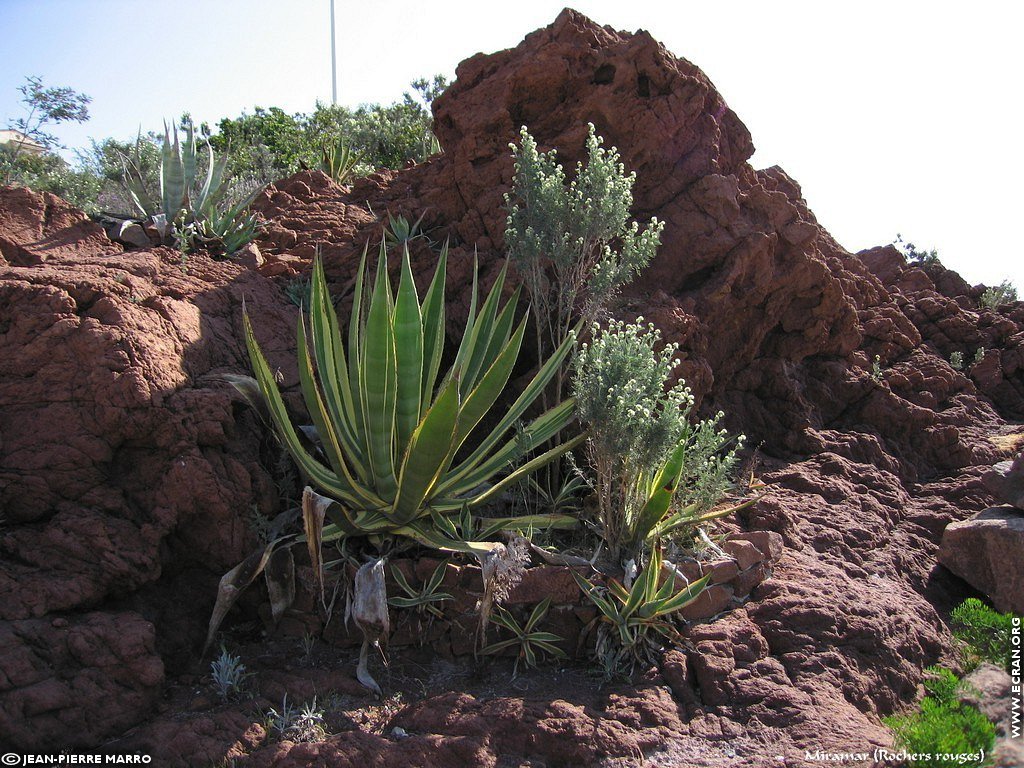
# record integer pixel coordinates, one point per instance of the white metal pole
(334, 62)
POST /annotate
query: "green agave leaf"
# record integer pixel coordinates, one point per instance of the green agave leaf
(427, 454)
(378, 384)
(660, 495)
(479, 402)
(538, 613)
(562, 413)
(408, 325)
(500, 646)
(482, 329)
(684, 597)
(330, 359)
(433, 329)
(317, 472)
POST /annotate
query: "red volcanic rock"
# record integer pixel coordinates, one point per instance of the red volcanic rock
(71, 682)
(125, 464)
(35, 228)
(126, 467)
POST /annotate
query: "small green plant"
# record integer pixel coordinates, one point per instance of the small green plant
(531, 642)
(986, 632)
(400, 231)
(648, 458)
(300, 724)
(561, 235)
(943, 726)
(308, 645)
(995, 297)
(339, 161)
(956, 361)
(876, 368)
(228, 673)
(297, 291)
(979, 355)
(425, 598)
(629, 620)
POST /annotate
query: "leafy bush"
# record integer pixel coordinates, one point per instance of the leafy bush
(646, 454)
(50, 173)
(1004, 293)
(943, 726)
(956, 361)
(986, 632)
(271, 144)
(560, 236)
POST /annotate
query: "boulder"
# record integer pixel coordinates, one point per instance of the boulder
(986, 551)
(1006, 481)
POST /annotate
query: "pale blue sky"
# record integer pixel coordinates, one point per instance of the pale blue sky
(894, 116)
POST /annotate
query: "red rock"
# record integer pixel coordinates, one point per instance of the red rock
(712, 601)
(768, 543)
(545, 581)
(981, 550)
(744, 552)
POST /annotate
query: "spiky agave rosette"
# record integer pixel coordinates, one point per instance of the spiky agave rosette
(387, 430)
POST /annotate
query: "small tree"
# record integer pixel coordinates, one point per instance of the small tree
(573, 243)
(46, 106)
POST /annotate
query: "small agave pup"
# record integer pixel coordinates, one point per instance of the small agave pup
(387, 428)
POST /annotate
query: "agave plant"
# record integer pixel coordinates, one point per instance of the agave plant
(657, 518)
(339, 161)
(628, 617)
(399, 450)
(191, 204)
(530, 642)
(180, 186)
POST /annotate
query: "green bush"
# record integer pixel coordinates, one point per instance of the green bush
(986, 632)
(561, 235)
(943, 726)
(641, 439)
(51, 173)
(994, 297)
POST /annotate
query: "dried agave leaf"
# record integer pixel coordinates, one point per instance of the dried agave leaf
(280, 576)
(249, 389)
(362, 671)
(370, 612)
(489, 563)
(314, 509)
(555, 558)
(233, 583)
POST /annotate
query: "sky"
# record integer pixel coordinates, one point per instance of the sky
(895, 117)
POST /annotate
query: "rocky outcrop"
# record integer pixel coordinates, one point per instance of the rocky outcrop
(127, 468)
